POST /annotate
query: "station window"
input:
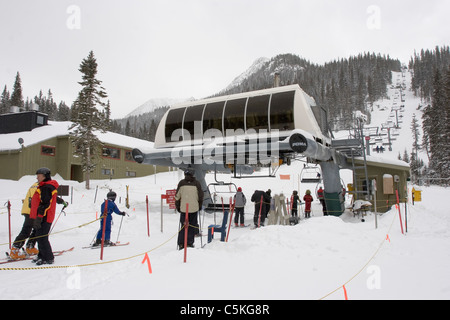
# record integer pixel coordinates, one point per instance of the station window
(212, 117)
(282, 111)
(174, 121)
(257, 112)
(192, 117)
(48, 150)
(234, 115)
(130, 173)
(129, 156)
(108, 172)
(112, 153)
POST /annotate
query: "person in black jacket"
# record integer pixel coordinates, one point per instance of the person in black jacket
(189, 192)
(260, 207)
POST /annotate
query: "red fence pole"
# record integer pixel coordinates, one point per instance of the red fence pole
(260, 208)
(148, 221)
(232, 205)
(399, 214)
(9, 223)
(186, 226)
(105, 214)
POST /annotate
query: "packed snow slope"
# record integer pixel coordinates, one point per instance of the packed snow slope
(312, 260)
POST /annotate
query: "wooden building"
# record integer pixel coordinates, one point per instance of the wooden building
(49, 145)
(390, 176)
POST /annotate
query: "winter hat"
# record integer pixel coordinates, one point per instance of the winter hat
(239, 189)
(45, 172)
(111, 196)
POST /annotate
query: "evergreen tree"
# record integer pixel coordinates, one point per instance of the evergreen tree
(63, 112)
(414, 164)
(405, 156)
(87, 117)
(435, 126)
(108, 123)
(5, 102)
(16, 96)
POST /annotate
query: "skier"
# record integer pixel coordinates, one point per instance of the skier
(189, 191)
(320, 195)
(239, 204)
(295, 200)
(308, 200)
(112, 207)
(260, 208)
(27, 229)
(43, 206)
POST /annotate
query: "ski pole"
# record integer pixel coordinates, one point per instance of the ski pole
(200, 227)
(120, 227)
(57, 218)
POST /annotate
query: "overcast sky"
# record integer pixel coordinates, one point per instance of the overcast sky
(194, 48)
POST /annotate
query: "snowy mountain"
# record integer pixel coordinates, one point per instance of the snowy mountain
(152, 104)
(255, 67)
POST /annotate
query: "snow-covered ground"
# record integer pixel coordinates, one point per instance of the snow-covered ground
(312, 260)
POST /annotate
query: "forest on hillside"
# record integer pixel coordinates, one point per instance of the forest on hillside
(341, 86)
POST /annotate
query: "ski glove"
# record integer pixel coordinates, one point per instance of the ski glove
(37, 223)
(122, 213)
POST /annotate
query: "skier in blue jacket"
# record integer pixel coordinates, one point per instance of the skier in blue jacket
(112, 207)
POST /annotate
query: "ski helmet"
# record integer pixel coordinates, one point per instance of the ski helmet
(111, 196)
(45, 171)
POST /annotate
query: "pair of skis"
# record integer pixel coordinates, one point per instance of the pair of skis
(116, 244)
(8, 259)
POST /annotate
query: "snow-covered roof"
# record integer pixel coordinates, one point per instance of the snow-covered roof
(383, 161)
(9, 141)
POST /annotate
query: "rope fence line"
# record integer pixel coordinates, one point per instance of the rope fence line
(365, 266)
(165, 242)
(94, 263)
(57, 232)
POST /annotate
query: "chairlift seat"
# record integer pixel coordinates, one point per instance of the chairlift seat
(219, 228)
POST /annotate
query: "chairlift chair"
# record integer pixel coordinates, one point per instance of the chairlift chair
(218, 191)
(310, 175)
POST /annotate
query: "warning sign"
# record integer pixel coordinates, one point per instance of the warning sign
(170, 198)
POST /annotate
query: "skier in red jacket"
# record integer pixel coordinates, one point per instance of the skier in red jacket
(308, 200)
(43, 207)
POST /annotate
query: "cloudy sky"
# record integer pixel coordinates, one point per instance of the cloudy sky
(193, 48)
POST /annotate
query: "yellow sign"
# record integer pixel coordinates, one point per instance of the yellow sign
(417, 195)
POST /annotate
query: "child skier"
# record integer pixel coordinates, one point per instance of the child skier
(112, 207)
(308, 200)
(240, 201)
(295, 199)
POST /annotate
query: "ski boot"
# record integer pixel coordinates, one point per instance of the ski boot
(97, 242)
(40, 262)
(17, 254)
(31, 251)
